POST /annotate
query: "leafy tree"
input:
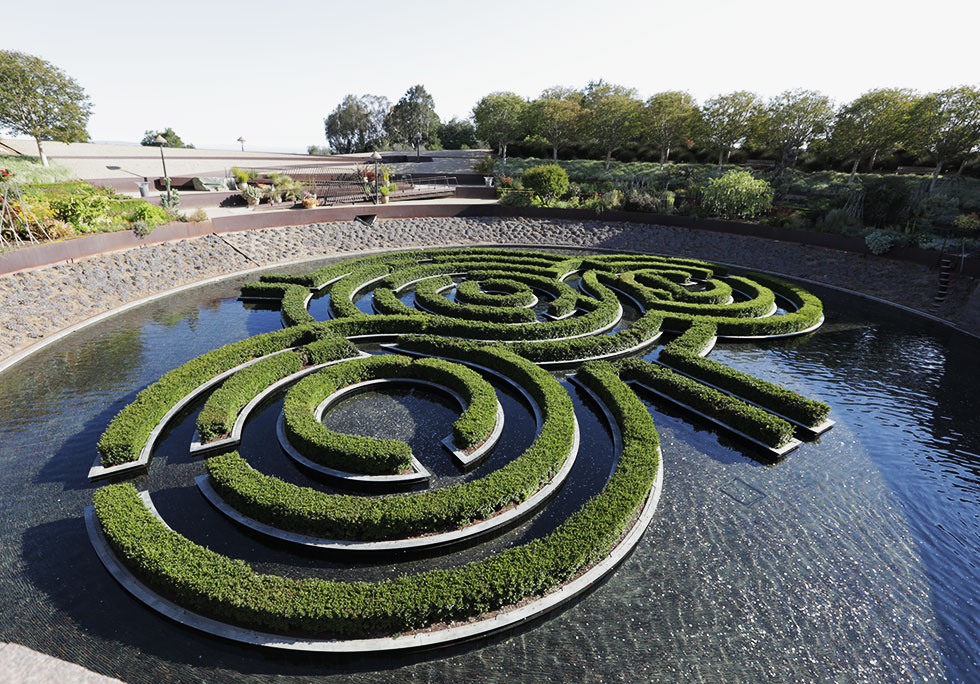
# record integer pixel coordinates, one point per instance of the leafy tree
(414, 113)
(671, 119)
(499, 118)
(946, 124)
(612, 117)
(873, 123)
(728, 121)
(348, 126)
(40, 100)
(377, 108)
(556, 116)
(791, 121)
(318, 151)
(173, 140)
(456, 134)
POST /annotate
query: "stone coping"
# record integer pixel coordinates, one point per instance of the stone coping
(778, 452)
(99, 471)
(236, 431)
(457, 633)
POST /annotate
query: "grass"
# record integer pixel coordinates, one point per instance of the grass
(28, 170)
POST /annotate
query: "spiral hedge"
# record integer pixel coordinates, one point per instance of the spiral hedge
(465, 316)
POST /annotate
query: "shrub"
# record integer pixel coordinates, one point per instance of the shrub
(222, 407)
(367, 455)
(142, 229)
(310, 511)
(880, 242)
(737, 194)
(198, 216)
(202, 580)
(683, 354)
(886, 201)
(735, 413)
(549, 181)
(144, 211)
(970, 222)
(126, 434)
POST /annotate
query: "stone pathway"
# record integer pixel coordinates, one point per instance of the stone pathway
(37, 303)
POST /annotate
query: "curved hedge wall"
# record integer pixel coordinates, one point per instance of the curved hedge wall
(227, 589)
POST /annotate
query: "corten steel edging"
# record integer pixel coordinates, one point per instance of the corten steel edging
(52, 253)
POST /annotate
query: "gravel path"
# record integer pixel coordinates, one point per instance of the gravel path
(37, 303)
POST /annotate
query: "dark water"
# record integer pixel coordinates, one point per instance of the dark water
(855, 559)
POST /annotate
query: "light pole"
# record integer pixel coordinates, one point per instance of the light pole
(162, 142)
(241, 141)
(376, 157)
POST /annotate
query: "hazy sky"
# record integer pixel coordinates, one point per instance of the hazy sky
(271, 71)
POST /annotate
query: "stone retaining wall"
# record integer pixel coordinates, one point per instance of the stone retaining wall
(38, 303)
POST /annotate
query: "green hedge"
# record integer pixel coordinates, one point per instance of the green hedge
(367, 455)
(718, 292)
(678, 354)
(221, 409)
(308, 511)
(427, 296)
(644, 328)
(761, 302)
(342, 291)
(202, 580)
(808, 313)
(494, 292)
(751, 420)
(293, 299)
(126, 435)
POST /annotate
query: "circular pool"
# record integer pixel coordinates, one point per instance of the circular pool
(854, 558)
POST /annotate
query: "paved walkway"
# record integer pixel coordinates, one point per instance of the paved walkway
(38, 303)
(21, 665)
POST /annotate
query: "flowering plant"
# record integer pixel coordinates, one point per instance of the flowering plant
(6, 174)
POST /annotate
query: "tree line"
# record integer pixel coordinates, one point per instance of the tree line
(943, 126)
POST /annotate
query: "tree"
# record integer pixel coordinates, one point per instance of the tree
(555, 116)
(40, 100)
(873, 123)
(499, 118)
(728, 121)
(946, 124)
(377, 108)
(791, 121)
(348, 126)
(357, 124)
(671, 119)
(173, 140)
(457, 134)
(612, 117)
(415, 113)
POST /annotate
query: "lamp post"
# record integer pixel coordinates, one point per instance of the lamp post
(162, 142)
(418, 146)
(241, 141)
(377, 158)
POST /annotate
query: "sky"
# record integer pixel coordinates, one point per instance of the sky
(270, 72)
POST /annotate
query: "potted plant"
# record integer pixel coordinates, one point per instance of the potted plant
(385, 190)
(309, 200)
(252, 194)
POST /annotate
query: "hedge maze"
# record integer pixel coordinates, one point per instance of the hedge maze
(456, 321)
